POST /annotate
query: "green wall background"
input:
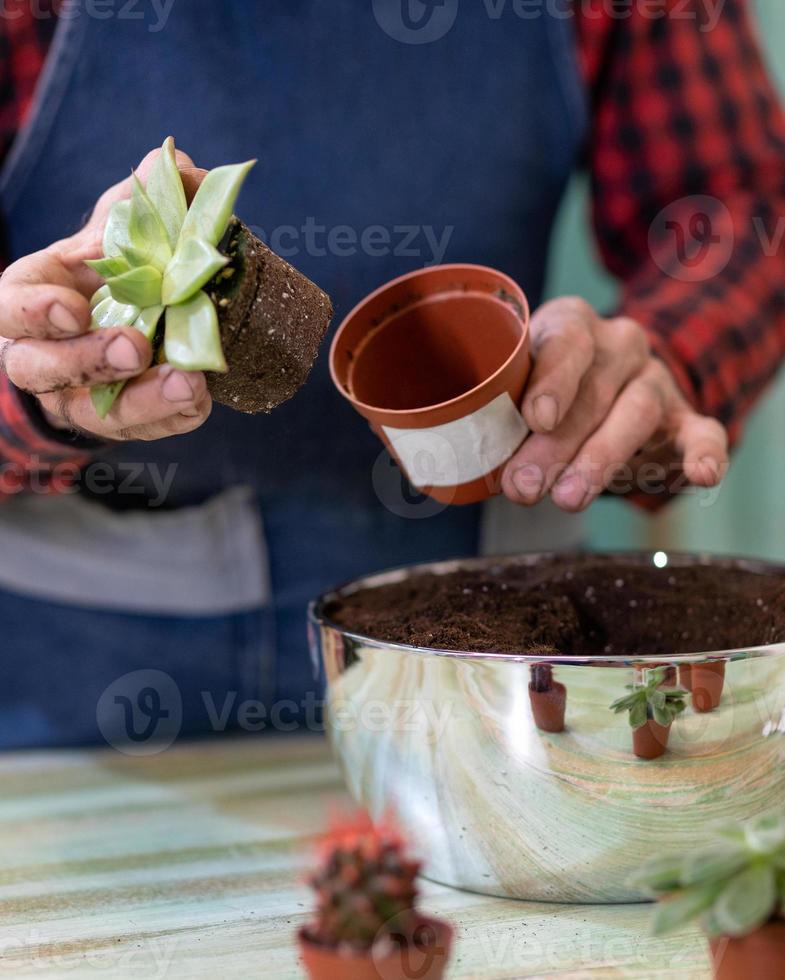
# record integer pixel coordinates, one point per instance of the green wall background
(747, 515)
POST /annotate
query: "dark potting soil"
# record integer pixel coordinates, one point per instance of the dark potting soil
(586, 606)
(272, 322)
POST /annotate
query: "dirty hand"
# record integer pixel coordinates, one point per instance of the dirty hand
(603, 411)
(46, 347)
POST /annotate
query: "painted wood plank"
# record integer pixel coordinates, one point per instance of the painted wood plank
(191, 864)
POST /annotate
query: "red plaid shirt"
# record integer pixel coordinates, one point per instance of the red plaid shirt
(687, 160)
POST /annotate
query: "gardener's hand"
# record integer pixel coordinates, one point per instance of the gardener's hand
(46, 349)
(605, 413)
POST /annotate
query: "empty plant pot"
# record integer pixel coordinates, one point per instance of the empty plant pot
(650, 741)
(705, 681)
(761, 955)
(436, 361)
(426, 960)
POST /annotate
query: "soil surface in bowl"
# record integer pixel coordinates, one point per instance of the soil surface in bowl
(578, 606)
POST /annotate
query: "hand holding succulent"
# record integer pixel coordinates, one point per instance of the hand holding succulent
(159, 254)
(735, 884)
(651, 700)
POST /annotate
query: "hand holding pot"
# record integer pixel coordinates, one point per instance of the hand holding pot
(46, 346)
(605, 411)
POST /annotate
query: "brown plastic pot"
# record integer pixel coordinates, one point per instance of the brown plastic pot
(706, 682)
(428, 962)
(759, 956)
(651, 740)
(548, 707)
(436, 361)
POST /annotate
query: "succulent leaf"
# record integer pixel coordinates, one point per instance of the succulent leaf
(147, 321)
(110, 313)
(211, 210)
(639, 714)
(116, 233)
(146, 231)
(193, 265)
(104, 396)
(158, 255)
(134, 257)
(140, 287)
(748, 901)
(99, 296)
(765, 834)
(115, 265)
(662, 715)
(675, 912)
(742, 872)
(165, 190)
(660, 874)
(714, 863)
(650, 700)
(192, 341)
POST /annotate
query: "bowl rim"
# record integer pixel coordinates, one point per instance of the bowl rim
(680, 559)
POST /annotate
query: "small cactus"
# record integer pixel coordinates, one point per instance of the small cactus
(365, 888)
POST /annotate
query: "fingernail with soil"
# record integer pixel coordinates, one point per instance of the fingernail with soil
(122, 355)
(570, 491)
(546, 412)
(63, 320)
(528, 482)
(177, 388)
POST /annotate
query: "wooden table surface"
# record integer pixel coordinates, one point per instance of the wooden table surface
(190, 864)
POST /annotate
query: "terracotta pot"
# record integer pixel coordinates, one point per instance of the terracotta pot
(548, 707)
(706, 682)
(408, 963)
(651, 740)
(436, 361)
(759, 956)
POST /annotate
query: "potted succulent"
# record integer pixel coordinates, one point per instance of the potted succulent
(652, 710)
(207, 293)
(366, 925)
(736, 885)
(548, 699)
(705, 681)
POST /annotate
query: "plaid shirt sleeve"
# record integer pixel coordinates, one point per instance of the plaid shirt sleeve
(687, 160)
(33, 456)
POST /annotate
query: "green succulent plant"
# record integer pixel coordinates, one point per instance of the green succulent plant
(735, 884)
(650, 700)
(158, 254)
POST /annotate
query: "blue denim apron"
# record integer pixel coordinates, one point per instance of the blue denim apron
(390, 134)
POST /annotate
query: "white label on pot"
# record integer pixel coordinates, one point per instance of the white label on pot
(460, 451)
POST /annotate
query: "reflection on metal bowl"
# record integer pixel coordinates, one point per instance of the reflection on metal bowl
(450, 743)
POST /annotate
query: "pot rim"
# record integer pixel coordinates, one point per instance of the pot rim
(679, 559)
(441, 925)
(515, 291)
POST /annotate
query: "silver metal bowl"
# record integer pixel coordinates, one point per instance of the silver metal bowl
(448, 742)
